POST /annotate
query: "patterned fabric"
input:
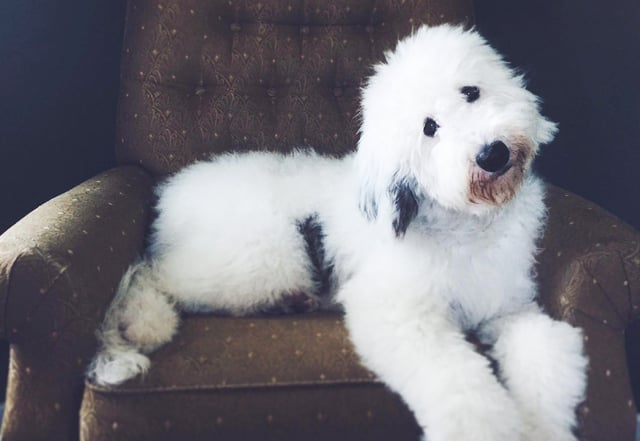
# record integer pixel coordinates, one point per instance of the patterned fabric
(257, 377)
(206, 77)
(268, 378)
(589, 275)
(59, 268)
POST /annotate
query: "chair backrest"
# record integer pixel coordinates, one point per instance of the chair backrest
(206, 76)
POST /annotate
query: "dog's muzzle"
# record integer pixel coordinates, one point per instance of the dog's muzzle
(498, 171)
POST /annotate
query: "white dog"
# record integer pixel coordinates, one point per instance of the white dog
(426, 233)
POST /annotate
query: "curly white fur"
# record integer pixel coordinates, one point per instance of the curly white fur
(417, 242)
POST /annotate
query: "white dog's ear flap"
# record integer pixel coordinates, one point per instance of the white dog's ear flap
(405, 201)
(547, 130)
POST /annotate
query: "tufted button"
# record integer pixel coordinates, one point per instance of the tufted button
(338, 91)
(369, 29)
(235, 27)
(200, 91)
(304, 30)
(271, 92)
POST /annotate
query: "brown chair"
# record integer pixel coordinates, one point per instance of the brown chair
(202, 77)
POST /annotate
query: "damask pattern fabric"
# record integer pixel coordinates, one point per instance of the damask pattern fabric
(234, 75)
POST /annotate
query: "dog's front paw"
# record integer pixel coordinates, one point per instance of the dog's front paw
(483, 419)
(111, 368)
(537, 432)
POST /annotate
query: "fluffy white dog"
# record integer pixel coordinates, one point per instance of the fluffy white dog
(426, 233)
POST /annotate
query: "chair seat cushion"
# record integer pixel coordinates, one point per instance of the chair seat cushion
(255, 378)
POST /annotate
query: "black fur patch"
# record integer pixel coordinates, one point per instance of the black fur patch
(311, 230)
(405, 202)
(484, 350)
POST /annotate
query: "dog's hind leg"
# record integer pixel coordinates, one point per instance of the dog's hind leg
(146, 317)
(140, 319)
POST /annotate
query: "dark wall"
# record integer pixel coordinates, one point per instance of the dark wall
(58, 85)
(583, 59)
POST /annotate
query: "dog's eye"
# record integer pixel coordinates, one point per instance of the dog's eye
(472, 93)
(430, 127)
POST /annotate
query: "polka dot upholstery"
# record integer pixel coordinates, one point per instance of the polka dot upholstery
(269, 378)
(205, 77)
(589, 275)
(59, 269)
(296, 377)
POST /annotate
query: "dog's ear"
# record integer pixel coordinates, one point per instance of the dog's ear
(547, 130)
(405, 201)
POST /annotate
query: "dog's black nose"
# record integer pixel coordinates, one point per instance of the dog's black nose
(493, 157)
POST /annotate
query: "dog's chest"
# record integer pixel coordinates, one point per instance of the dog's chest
(477, 277)
(479, 291)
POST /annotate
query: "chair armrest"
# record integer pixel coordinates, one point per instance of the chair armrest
(59, 269)
(589, 274)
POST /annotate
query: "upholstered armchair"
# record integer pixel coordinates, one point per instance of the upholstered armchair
(202, 77)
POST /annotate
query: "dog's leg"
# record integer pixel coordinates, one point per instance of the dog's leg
(542, 364)
(140, 319)
(409, 342)
(146, 316)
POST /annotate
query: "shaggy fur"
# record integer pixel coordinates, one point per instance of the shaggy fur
(416, 241)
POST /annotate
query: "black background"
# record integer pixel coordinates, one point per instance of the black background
(59, 80)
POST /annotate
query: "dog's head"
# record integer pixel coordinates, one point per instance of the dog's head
(445, 118)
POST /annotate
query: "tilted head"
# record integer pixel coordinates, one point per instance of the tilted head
(445, 118)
